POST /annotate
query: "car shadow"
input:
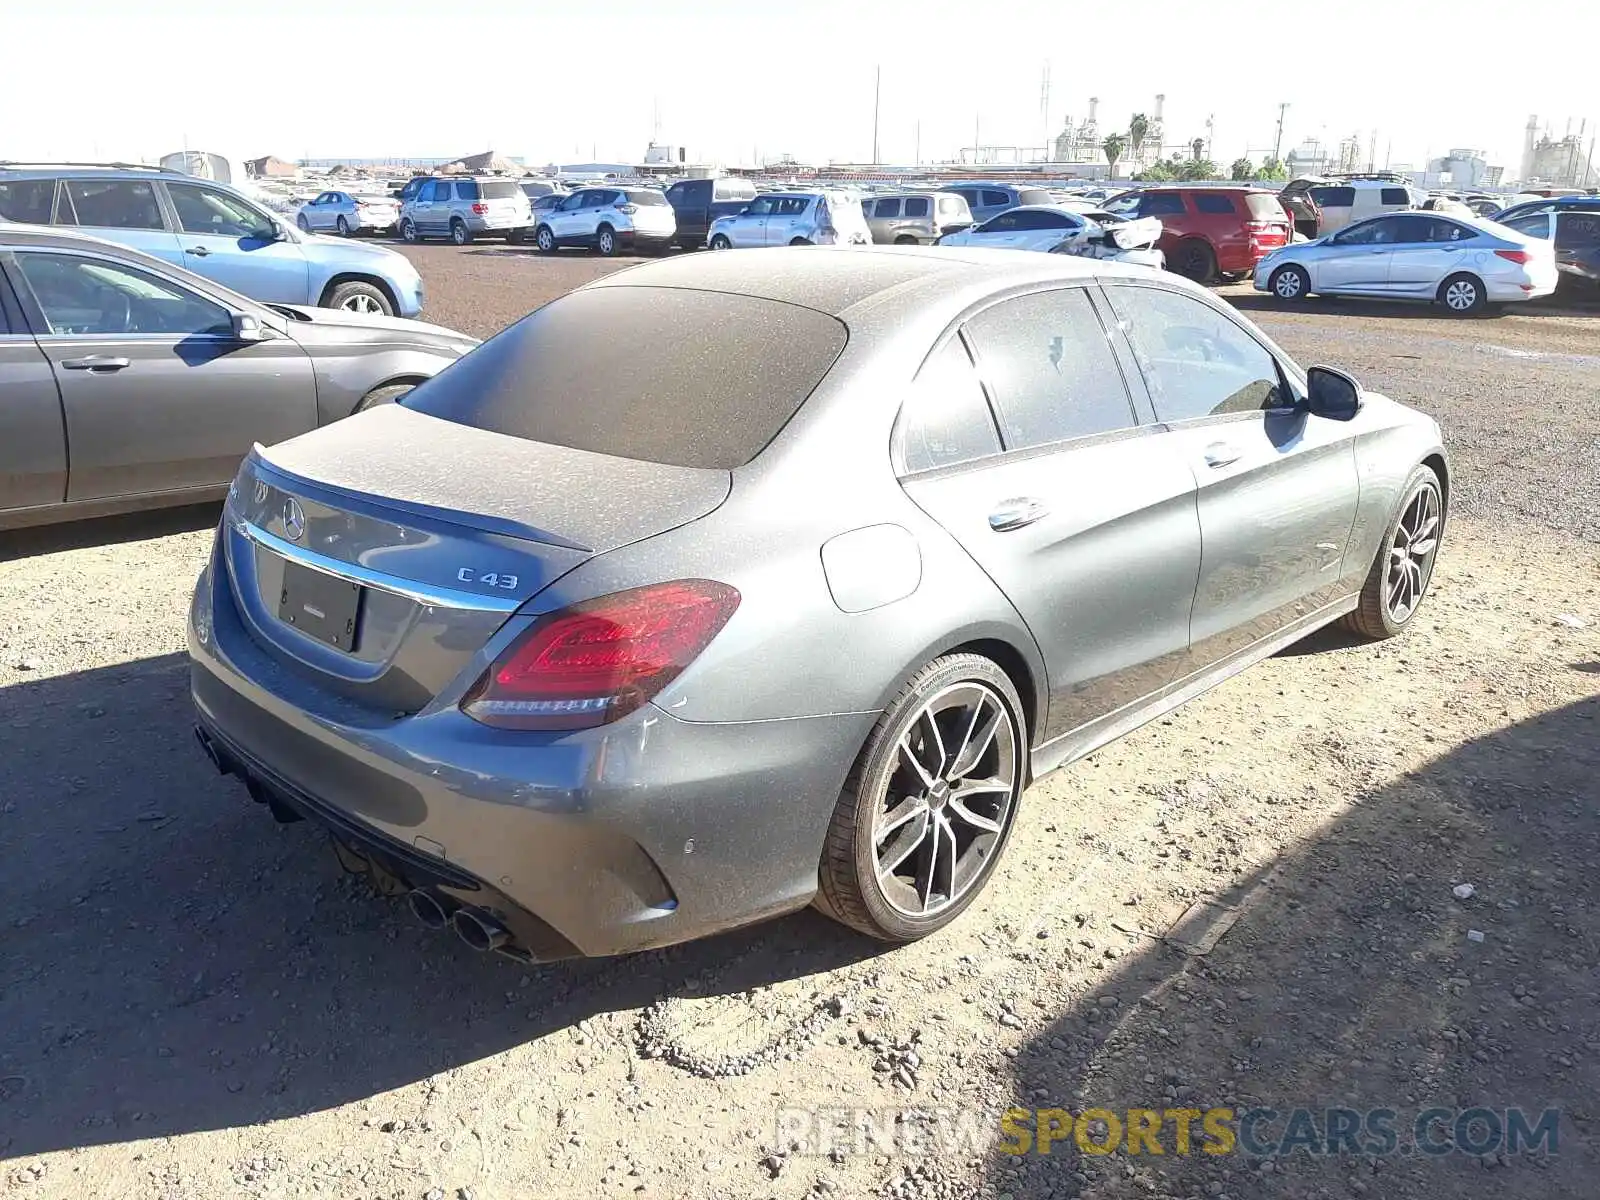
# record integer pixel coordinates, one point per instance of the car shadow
(1350, 973)
(107, 531)
(175, 962)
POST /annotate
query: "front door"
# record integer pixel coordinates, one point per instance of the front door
(157, 393)
(749, 228)
(563, 219)
(1361, 261)
(1277, 488)
(1084, 517)
(240, 247)
(33, 448)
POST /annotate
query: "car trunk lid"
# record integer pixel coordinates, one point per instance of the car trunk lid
(380, 554)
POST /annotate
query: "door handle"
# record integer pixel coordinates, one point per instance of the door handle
(1016, 513)
(97, 363)
(197, 251)
(1220, 454)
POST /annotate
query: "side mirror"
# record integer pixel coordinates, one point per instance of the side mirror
(249, 328)
(1332, 394)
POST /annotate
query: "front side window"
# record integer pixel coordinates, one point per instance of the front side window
(574, 201)
(946, 419)
(761, 206)
(115, 203)
(917, 206)
(27, 200)
(1050, 369)
(1196, 361)
(1160, 204)
(89, 296)
(1006, 222)
(1370, 233)
(206, 210)
(886, 208)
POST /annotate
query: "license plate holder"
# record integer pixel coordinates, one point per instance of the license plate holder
(320, 605)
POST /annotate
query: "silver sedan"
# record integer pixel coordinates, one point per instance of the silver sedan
(347, 213)
(1465, 263)
(598, 643)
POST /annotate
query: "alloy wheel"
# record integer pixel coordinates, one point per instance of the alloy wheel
(608, 241)
(360, 302)
(947, 803)
(546, 240)
(1461, 296)
(1411, 554)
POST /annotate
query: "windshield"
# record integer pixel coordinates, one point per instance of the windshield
(702, 379)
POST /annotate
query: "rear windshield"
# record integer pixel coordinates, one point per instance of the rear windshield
(499, 189)
(1264, 206)
(1034, 196)
(647, 197)
(665, 375)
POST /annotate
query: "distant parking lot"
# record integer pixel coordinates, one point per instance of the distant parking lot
(197, 1003)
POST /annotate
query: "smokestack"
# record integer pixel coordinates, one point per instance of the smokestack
(1160, 103)
(1094, 107)
(1528, 141)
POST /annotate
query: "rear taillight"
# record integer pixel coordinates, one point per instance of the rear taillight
(480, 208)
(599, 660)
(630, 209)
(1516, 256)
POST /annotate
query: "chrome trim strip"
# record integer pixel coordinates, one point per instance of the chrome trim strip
(422, 593)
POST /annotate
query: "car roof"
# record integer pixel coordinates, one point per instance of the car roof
(1060, 209)
(835, 280)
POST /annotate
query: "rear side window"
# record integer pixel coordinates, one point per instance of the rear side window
(1577, 230)
(1196, 361)
(1160, 204)
(1035, 196)
(946, 419)
(916, 206)
(27, 200)
(1050, 369)
(702, 379)
(115, 203)
(647, 199)
(1395, 196)
(499, 189)
(951, 204)
(466, 189)
(1214, 202)
(1334, 197)
(993, 198)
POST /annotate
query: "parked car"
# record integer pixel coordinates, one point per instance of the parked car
(608, 220)
(465, 209)
(1059, 230)
(1446, 206)
(985, 200)
(1463, 263)
(128, 383)
(346, 213)
(412, 187)
(696, 203)
(1340, 203)
(213, 231)
(831, 218)
(1210, 230)
(536, 213)
(1298, 201)
(915, 218)
(1571, 224)
(536, 188)
(786, 595)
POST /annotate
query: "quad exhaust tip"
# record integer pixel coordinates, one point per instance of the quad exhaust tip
(479, 930)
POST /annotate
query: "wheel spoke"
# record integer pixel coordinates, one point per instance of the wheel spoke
(936, 740)
(910, 756)
(930, 865)
(905, 845)
(977, 740)
(958, 808)
(907, 810)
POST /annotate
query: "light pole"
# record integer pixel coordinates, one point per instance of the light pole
(1277, 142)
(877, 96)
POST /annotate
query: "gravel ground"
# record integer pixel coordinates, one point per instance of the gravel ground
(195, 1003)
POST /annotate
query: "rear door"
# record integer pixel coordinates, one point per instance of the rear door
(157, 393)
(1082, 513)
(1277, 488)
(1426, 250)
(33, 444)
(122, 210)
(239, 246)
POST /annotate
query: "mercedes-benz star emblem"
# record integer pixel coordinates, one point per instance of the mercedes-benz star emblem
(294, 520)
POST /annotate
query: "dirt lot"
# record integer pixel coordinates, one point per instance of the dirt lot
(195, 1003)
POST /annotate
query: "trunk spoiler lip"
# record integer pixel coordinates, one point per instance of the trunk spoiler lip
(387, 508)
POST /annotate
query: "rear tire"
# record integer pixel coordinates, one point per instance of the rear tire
(906, 241)
(305, 225)
(1196, 260)
(343, 227)
(1403, 567)
(1463, 295)
(1290, 283)
(953, 816)
(605, 241)
(459, 233)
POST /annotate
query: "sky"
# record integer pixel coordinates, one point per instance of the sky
(738, 81)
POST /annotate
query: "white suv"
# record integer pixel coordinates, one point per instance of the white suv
(793, 219)
(608, 219)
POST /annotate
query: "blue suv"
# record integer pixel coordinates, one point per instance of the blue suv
(1573, 222)
(214, 231)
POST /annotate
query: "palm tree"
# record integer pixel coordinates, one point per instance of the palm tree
(1242, 169)
(1113, 147)
(1138, 130)
(1197, 147)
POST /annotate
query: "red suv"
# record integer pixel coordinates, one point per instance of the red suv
(1206, 231)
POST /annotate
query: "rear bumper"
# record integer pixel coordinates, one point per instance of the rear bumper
(642, 833)
(642, 237)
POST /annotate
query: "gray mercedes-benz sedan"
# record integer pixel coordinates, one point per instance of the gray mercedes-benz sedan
(731, 584)
(128, 383)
